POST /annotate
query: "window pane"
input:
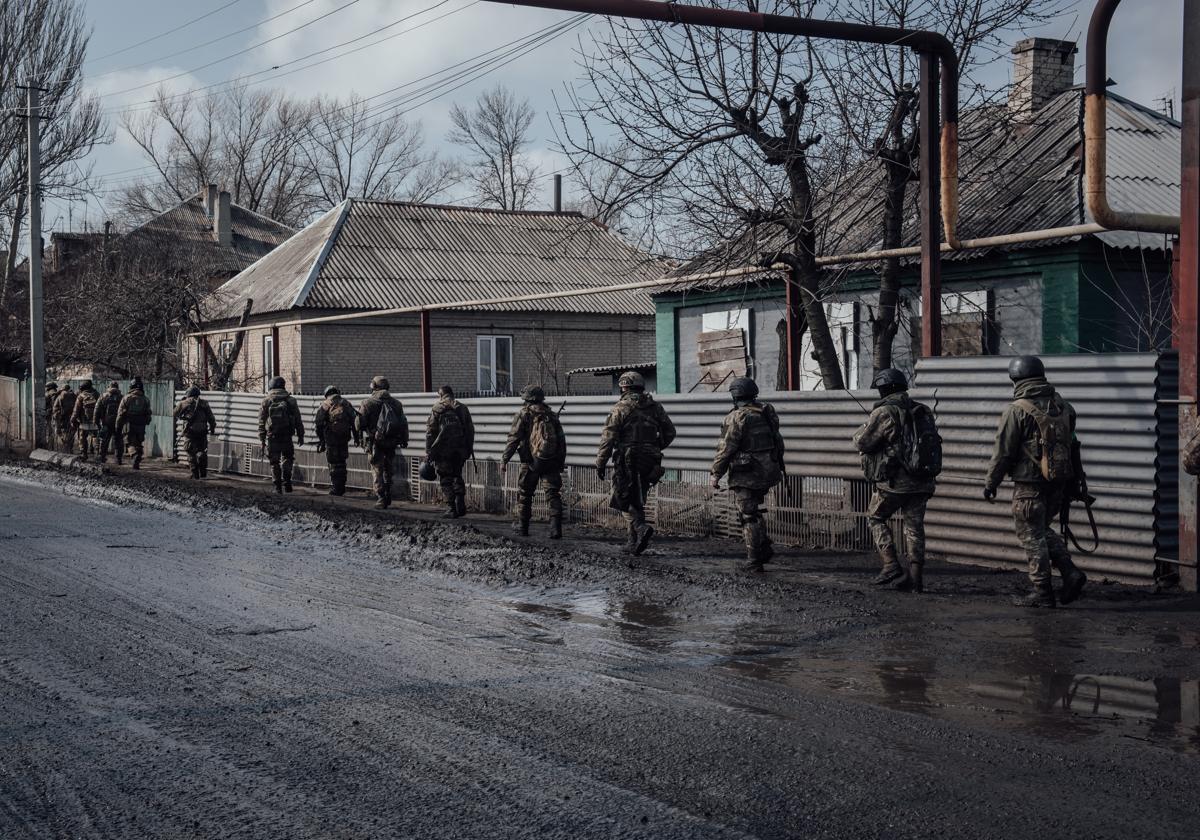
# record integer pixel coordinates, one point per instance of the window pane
(504, 369)
(484, 344)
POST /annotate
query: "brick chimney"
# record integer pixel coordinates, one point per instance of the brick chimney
(210, 200)
(1042, 69)
(223, 221)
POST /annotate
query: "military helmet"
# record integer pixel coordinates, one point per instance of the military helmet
(633, 380)
(114, 386)
(1025, 367)
(380, 383)
(194, 391)
(51, 386)
(331, 390)
(427, 471)
(890, 381)
(137, 382)
(277, 382)
(743, 388)
(86, 385)
(533, 394)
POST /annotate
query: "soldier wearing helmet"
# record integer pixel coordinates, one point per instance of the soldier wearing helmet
(537, 438)
(279, 421)
(1036, 446)
(383, 430)
(750, 452)
(106, 418)
(48, 407)
(449, 443)
(198, 423)
(334, 424)
(64, 406)
(635, 434)
(83, 418)
(133, 416)
(900, 485)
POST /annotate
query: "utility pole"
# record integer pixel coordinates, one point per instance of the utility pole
(37, 353)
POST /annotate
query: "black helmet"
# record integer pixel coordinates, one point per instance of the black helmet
(86, 385)
(277, 382)
(890, 381)
(743, 389)
(137, 383)
(114, 386)
(533, 394)
(194, 391)
(380, 383)
(632, 380)
(1026, 367)
(331, 390)
(51, 386)
(427, 471)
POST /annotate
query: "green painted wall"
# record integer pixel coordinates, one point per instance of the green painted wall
(666, 348)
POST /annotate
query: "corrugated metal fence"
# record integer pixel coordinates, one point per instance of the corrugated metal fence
(14, 410)
(1128, 435)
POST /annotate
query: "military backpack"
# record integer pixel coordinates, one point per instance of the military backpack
(341, 419)
(107, 408)
(390, 426)
(920, 443)
(193, 418)
(547, 441)
(137, 408)
(279, 418)
(451, 434)
(1054, 438)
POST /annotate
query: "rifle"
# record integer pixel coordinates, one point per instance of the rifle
(1078, 492)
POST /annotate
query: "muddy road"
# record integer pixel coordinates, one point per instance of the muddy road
(215, 662)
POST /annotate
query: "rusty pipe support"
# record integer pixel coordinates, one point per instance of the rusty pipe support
(1095, 128)
(917, 39)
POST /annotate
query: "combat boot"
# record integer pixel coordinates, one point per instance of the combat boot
(287, 484)
(1072, 587)
(460, 504)
(914, 581)
(1039, 596)
(556, 527)
(385, 499)
(337, 487)
(643, 534)
(204, 465)
(277, 478)
(892, 570)
(631, 543)
(451, 511)
(521, 526)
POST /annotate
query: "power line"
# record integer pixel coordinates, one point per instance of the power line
(164, 34)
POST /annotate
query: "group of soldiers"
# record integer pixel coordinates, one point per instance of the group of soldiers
(1035, 446)
(100, 423)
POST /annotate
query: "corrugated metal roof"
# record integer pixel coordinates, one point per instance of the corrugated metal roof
(383, 255)
(1012, 179)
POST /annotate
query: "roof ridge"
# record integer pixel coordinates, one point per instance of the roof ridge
(491, 210)
(314, 271)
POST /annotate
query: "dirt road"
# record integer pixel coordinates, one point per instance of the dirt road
(219, 663)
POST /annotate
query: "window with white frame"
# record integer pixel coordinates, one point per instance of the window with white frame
(495, 365)
(225, 349)
(268, 366)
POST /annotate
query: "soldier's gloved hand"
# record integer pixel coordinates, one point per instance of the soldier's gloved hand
(321, 446)
(601, 471)
(504, 468)
(989, 493)
(262, 439)
(716, 482)
(299, 440)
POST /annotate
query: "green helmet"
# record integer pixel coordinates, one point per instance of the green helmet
(380, 383)
(533, 394)
(632, 380)
(194, 391)
(331, 390)
(86, 385)
(743, 389)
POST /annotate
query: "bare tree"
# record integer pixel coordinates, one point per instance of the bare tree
(718, 131)
(43, 43)
(353, 153)
(495, 132)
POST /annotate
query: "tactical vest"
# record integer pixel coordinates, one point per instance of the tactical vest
(760, 433)
(640, 429)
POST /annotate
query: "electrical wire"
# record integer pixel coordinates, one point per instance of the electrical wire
(164, 34)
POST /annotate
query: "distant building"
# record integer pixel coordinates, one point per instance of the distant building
(369, 256)
(1106, 292)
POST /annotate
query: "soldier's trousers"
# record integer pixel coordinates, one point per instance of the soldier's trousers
(196, 447)
(633, 475)
(382, 459)
(450, 476)
(110, 434)
(135, 440)
(550, 477)
(912, 508)
(87, 443)
(337, 453)
(750, 515)
(66, 439)
(1035, 507)
(281, 453)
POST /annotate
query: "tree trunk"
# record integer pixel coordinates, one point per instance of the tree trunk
(886, 322)
(14, 240)
(224, 367)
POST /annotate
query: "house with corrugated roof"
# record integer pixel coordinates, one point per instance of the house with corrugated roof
(1019, 171)
(410, 291)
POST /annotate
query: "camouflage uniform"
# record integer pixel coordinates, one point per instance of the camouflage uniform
(64, 407)
(335, 440)
(83, 418)
(635, 434)
(880, 440)
(449, 443)
(534, 471)
(48, 407)
(278, 441)
(199, 423)
(134, 412)
(381, 454)
(751, 452)
(106, 418)
(1036, 502)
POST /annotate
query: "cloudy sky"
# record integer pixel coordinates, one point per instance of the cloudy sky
(400, 41)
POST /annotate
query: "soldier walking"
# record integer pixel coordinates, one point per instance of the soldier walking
(635, 434)
(64, 408)
(384, 430)
(335, 425)
(1036, 446)
(107, 408)
(449, 444)
(751, 453)
(83, 418)
(48, 406)
(278, 421)
(134, 414)
(537, 439)
(198, 423)
(887, 441)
